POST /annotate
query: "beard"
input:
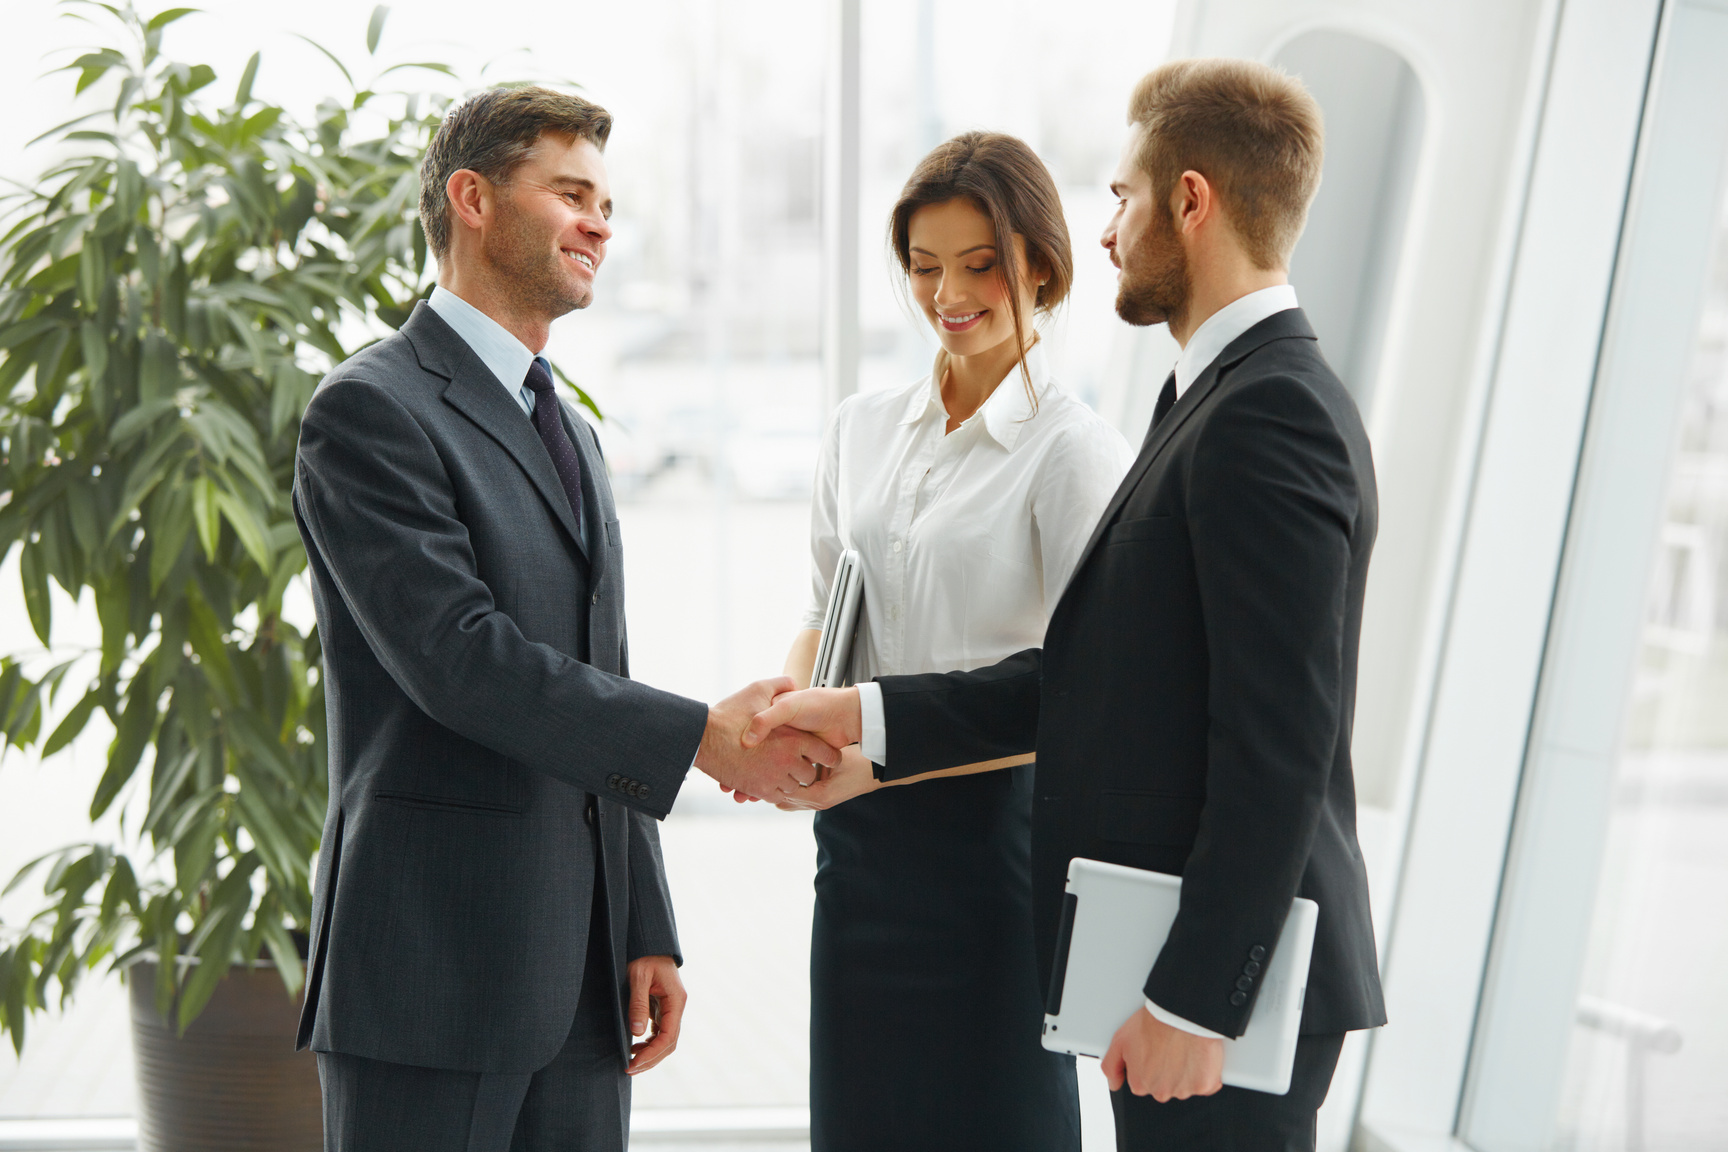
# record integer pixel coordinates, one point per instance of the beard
(1155, 286)
(530, 267)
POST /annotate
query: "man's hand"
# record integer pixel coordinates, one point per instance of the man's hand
(657, 999)
(854, 776)
(786, 759)
(831, 713)
(1162, 1062)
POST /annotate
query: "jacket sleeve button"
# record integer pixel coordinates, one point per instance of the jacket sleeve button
(1238, 998)
(643, 794)
(612, 781)
(1257, 953)
(1251, 969)
(1244, 982)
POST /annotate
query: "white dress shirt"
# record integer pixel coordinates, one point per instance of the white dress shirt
(1223, 326)
(1209, 340)
(967, 538)
(505, 357)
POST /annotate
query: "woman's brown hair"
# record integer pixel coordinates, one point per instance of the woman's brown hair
(1005, 180)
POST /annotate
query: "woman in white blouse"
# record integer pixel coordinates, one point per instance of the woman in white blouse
(969, 496)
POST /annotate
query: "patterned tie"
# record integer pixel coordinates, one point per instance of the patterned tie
(1166, 401)
(552, 434)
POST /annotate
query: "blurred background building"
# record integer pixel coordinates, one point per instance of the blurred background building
(1518, 262)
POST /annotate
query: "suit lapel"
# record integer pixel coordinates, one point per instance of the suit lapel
(1280, 325)
(474, 392)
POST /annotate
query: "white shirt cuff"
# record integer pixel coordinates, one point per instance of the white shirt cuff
(874, 743)
(1175, 1021)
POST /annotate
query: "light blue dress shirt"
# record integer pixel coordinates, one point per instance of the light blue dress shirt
(505, 356)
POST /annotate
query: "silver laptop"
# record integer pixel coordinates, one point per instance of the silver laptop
(839, 623)
(1114, 922)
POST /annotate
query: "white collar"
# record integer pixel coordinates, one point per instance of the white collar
(1223, 326)
(505, 356)
(1006, 410)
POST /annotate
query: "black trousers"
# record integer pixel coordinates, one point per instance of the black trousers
(578, 1103)
(1234, 1119)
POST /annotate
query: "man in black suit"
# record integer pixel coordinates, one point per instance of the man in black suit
(490, 893)
(1191, 707)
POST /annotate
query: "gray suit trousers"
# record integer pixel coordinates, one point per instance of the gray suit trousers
(578, 1103)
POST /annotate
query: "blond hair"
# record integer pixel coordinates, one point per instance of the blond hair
(1255, 134)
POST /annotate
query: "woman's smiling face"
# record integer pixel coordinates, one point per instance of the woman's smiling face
(958, 280)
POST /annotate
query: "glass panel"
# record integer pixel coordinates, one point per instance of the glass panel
(1648, 1064)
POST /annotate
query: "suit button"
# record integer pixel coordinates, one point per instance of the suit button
(612, 781)
(1257, 953)
(636, 789)
(1238, 998)
(1244, 982)
(1251, 969)
(643, 793)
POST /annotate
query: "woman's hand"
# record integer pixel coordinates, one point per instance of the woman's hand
(855, 776)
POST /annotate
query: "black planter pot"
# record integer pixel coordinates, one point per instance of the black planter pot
(233, 1082)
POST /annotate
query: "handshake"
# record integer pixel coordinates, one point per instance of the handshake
(794, 749)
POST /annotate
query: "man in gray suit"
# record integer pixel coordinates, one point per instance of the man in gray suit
(490, 904)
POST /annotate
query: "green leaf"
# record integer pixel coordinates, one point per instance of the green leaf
(164, 18)
(213, 944)
(159, 370)
(95, 347)
(282, 951)
(331, 56)
(69, 728)
(243, 94)
(246, 526)
(140, 418)
(375, 28)
(582, 396)
(130, 739)
(198, 76)
(426, 65)
(205, 636)
(171, 524)
(113, 609)
(34, 574)
(59, 128)
(92, 273)
(206, 515)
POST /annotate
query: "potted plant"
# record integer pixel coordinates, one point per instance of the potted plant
(171, 289)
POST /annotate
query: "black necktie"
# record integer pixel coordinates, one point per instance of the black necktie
(1166, 401)
(552, 434)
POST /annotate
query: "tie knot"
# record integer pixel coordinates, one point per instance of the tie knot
(539, 377)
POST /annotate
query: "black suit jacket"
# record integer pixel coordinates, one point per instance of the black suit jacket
(477, 690)
(1192, 704)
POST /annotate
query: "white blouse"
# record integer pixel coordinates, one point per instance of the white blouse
(967, 538)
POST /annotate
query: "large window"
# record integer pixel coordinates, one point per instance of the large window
(703, 349)
(1648, 1059)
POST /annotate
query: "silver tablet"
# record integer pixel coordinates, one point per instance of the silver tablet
(1114, 922)
(839, 623)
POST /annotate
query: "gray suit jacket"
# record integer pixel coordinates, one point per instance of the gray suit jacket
(478, 693)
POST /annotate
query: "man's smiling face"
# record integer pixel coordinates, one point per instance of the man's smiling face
(550, 237)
